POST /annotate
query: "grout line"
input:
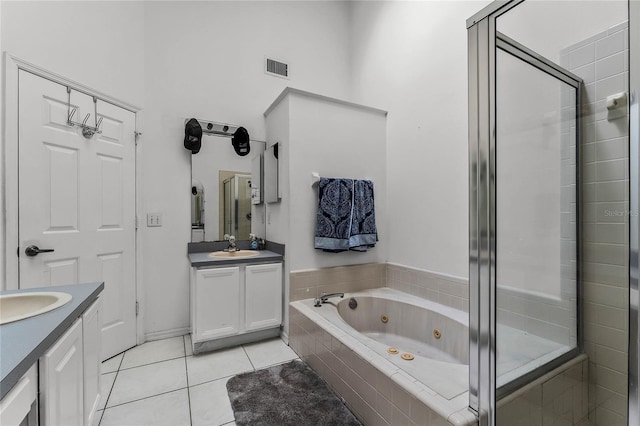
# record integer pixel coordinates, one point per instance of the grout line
(131, 368)
(249, 358)
(151, 363)
(186, 372)
(221, 378)
(146, 397)
(113, 385)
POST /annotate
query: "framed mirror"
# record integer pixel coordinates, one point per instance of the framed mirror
(221, 191)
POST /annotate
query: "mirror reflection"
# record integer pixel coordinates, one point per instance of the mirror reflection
(221, 187)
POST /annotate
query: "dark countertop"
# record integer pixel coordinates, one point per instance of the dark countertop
(23, 342)
(202, 259)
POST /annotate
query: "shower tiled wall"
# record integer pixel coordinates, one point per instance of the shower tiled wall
(559, 398)
(602, 62)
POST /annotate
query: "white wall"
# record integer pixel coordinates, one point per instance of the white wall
(97, 43)
(277, 214)
(411, 59)
(205, 60)
(334, 140)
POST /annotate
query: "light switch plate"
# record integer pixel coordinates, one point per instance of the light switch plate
(154, 219)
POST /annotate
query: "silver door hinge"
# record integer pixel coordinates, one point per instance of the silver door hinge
(137, 135)
(137, 222)
(137, 308)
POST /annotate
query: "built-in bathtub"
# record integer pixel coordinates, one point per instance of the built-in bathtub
(353, 349)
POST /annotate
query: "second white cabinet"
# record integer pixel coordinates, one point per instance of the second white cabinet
(70, 373)
(263, 296)
(231, 305)
(217, 292)
(91, 349)
(62, 380)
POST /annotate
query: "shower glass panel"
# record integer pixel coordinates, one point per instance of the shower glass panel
(549, 213)
(536, 221)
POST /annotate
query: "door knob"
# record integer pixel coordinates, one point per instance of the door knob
(34, 250)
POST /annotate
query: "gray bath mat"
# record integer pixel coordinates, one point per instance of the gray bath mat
(286, 394)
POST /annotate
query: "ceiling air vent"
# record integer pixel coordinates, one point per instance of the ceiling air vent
(276, 68)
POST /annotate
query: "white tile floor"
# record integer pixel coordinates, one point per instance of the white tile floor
(163, 383)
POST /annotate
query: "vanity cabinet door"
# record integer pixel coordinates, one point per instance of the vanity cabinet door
(216, 301)
(263, 301)
(91, 333)
(61, 380)
(17, 406)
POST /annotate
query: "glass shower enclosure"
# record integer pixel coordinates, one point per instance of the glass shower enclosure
(548, 244)
(535, 198)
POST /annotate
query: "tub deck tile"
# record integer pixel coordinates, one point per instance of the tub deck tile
(366, 378)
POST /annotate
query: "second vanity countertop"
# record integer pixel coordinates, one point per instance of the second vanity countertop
(202, 259)
(24, 341)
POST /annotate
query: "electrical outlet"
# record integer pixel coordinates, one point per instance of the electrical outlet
(154, 219)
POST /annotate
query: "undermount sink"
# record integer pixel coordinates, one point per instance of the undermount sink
(15, 307)
(238, 254)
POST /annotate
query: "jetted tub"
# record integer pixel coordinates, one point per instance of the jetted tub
(434, 336)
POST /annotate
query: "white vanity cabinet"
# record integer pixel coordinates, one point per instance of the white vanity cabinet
(215, 305)
(61, 380)
(16, 408)
(91, 349)
(263, 296)
(232, 305)
(70, 373)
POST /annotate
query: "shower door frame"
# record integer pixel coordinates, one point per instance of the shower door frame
(634, 205)
(483, 42)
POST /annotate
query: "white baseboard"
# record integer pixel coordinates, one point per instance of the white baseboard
(159, 335)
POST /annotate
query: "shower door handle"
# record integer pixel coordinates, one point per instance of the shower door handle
(35, 250)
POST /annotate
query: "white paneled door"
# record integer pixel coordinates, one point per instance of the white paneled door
(77, 198)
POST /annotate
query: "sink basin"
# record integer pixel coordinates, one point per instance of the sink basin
(14, 307)
(239, 254)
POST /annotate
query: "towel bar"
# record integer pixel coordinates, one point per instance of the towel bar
(315, 179)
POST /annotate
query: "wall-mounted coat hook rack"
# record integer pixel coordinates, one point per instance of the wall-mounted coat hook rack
(87, 131)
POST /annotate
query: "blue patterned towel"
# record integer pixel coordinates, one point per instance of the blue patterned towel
(346, 215)
(364, 233)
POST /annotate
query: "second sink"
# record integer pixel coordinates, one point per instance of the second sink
(18, 306)
(238, 254)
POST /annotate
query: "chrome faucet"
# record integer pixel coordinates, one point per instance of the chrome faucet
(232, 243)
(324, 297)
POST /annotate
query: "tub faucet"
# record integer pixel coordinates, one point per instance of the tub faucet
(232, 243)
(324, 296)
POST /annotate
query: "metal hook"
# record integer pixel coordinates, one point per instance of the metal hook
(98, 124)
(73, 111)
(84, 122)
